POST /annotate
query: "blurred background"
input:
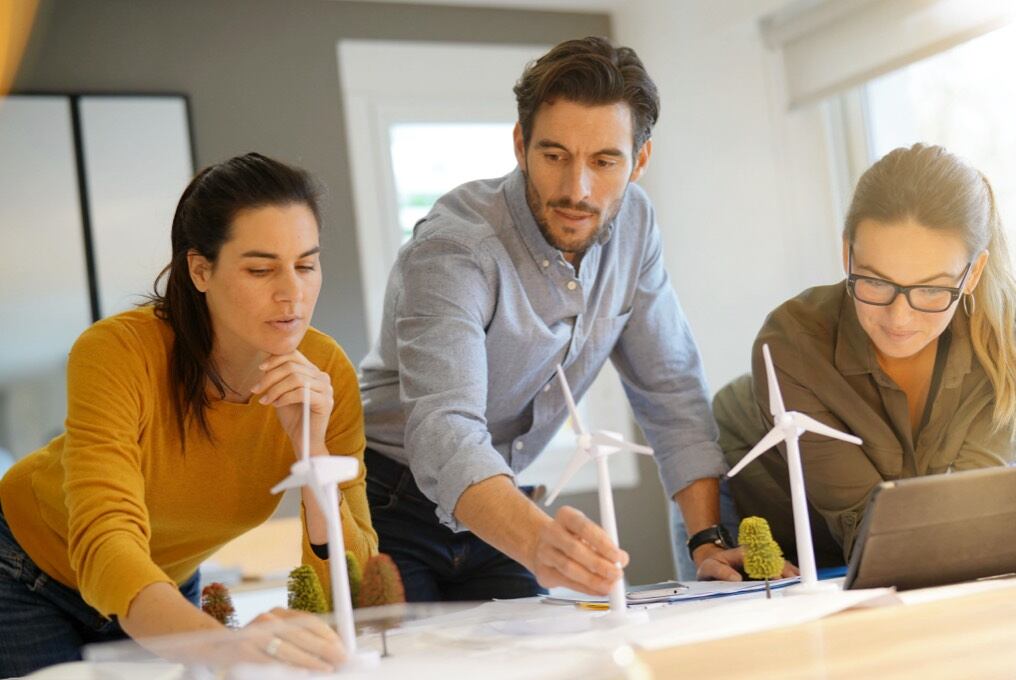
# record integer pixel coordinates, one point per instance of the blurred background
(771, 109)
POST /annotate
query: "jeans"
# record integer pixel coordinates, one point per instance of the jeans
(729, 518)
(435, 562)
(43, 622)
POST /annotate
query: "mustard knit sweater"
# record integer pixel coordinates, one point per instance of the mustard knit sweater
(116, 503)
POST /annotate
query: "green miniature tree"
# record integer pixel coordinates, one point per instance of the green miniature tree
(355, 575)
(305, 591)
(381, 583)
(763, 559)
(217, 603)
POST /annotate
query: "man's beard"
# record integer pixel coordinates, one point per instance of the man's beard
(537, 205)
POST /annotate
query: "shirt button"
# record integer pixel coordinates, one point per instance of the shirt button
(546, 263)
(572, 285)
(518, 446)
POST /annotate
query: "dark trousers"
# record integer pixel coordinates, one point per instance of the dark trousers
(436, 563)
(43, 622)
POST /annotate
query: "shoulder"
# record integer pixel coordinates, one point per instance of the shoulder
(467, 215)
(811, 316)
(139, 332)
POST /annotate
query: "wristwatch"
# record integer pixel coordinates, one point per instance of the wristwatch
(716, 534)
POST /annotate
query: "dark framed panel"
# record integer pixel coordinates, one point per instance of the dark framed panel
(88, 187)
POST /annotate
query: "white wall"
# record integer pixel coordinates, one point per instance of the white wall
(742, 188)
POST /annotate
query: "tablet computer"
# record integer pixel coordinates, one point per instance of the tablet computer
(939, 529)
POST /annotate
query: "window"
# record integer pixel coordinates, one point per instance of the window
(428, 159)
(959, 99)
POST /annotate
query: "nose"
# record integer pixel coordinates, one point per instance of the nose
(900, 310)
(578, 182)
(288, 287)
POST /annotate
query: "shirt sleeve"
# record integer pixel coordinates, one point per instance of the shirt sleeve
(108, 523)
(440, 322)
(659, 364)
(985, 444)
(345, 437)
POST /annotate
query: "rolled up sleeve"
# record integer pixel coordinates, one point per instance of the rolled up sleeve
(445, 305)
(660, 367)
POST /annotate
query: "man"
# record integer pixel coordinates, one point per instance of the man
(559, 262)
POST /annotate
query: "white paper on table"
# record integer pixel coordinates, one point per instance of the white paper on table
(679, 626)
(697, 590)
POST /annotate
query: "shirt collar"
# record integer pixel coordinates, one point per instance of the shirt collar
(855, 353)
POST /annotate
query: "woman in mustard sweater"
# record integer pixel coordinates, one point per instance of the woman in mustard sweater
(181, 415)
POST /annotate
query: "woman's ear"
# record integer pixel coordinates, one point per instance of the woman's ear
(846, 257)
(975, 272)
(200, 270)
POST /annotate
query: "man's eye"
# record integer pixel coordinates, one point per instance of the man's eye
(306, 267)
(259, 272)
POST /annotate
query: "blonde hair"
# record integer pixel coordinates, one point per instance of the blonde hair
(940, 191)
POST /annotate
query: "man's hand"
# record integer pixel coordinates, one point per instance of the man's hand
(572, 551)
(569, 550)
(716, 564)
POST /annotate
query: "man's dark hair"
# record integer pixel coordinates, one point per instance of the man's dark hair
(593, 72)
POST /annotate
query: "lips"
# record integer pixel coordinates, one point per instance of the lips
(572, 215)
(285, 323)
(898, 336)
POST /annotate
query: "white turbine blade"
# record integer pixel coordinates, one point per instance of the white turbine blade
(334, 469)
(305, 439)
(290, 482)
(604, 438)
(570, 400)
(808, 423)
(776, 407)
(774, 437)
(578, 460)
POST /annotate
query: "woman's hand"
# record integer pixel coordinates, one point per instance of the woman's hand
(294, 638)
(282, 387)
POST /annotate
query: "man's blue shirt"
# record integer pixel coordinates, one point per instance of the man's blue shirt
(479, 311)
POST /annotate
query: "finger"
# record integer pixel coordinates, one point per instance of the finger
(279, 359)
(321, 401)
(314, 624)
(713, 569)
(310, 375)
(574, 572)
(292, 382)
(561, 543)
(591, 533)
(289, 653)
(789, 570)
(327, 648)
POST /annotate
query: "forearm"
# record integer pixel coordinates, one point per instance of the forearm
(317, 525)
(700, 507)
(159, 609)
(514, 528)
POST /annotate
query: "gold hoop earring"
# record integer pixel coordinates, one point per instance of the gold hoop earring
(969, 304)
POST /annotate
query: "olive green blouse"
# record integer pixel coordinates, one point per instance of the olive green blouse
(826, 367)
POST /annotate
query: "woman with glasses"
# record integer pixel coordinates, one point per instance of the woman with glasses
(913, 352)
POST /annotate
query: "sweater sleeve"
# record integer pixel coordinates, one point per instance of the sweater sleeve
(345, 437)
(108, 524)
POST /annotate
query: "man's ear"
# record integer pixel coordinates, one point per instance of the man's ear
(200, 270)
(520, 146)
(642, 160)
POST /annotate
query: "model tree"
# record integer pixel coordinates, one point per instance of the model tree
(305, 591)
(381, 583)
(763, 559)
(217, 603)
(355, 576)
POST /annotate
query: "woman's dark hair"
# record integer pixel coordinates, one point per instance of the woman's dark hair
(202, 224)
(589, 71)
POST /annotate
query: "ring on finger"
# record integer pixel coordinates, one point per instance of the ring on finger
(272, 648)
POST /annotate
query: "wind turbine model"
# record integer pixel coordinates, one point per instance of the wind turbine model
(323, 475)
(597, 446)
(788, 426)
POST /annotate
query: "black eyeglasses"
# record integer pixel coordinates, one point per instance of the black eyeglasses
(874, 291)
